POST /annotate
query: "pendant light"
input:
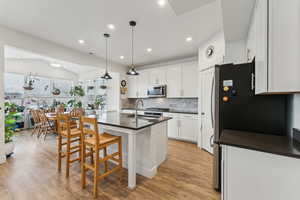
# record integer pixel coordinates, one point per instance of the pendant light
(132, 71)
(106, 74)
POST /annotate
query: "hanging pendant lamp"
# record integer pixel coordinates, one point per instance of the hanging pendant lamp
(106, 74)
(132, 70)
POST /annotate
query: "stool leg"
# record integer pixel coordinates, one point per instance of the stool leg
(68, 158)
(59, 152)
(96, 168)
(83, 170)
(105, 162)
(120, 158)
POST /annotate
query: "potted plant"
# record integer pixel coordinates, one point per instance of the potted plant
(76, 92)
(11, 117)
(99, 102)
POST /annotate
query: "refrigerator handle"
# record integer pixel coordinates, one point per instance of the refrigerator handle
(211, 102)
(211, 140)
(252, 81)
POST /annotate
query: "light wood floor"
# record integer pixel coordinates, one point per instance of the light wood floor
(32, 174)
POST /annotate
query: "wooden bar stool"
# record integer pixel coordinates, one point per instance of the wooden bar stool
(73, 141)
(91, 138)
(76, 113)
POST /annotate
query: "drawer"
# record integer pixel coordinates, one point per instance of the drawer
(188, 116)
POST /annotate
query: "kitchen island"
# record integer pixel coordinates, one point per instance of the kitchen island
(144, 141)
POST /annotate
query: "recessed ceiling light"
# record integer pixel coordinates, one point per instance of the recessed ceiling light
(81, 41)
(111, 26)
(149, 49)
(188, 39)
(122, 57)
(161, 3)
(57, 65)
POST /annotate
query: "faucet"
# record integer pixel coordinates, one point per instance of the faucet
(137, 105)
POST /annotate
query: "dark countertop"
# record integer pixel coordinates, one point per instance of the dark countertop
(128, 120)
(280, 145)
(170, 111)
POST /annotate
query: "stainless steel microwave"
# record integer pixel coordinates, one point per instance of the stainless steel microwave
(157, 91)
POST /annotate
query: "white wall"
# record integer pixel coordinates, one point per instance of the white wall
(39, 68)
(218, 42)
(236, 52)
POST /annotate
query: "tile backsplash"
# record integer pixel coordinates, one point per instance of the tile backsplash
(178, 104)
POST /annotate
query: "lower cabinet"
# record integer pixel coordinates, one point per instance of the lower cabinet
(183, 126)
(249, 175)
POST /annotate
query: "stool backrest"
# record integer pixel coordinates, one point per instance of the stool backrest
(77, 112)
(60, 109)
(89, 128)
(64, 123)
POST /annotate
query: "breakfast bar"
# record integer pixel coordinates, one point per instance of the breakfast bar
(144, 141)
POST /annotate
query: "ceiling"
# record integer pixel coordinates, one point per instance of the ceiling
(15, 53)
(160, 28)
(236, 18)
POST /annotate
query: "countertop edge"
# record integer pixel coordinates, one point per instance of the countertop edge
(136, 129)
(260, 150)
(287, 153)
(179, 112)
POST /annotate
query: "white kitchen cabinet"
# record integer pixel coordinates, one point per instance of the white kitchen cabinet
(182, 80)
(173, 131)
(251, 39)
(132, 87)
(174, 81)
(157, 76)
(206, 103)
(183, 126)
(143, 83)
(189, 80)
(277, 46)
(249, 175)
(188, 127)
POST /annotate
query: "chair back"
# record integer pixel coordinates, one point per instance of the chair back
(89, 129)
(60, 109)
(63, 123)
(34, 114)
(77, 112)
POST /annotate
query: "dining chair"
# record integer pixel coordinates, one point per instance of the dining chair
(47, 126)
(92, 138)
(36, 120)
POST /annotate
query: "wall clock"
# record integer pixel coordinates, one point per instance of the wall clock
(210, 51)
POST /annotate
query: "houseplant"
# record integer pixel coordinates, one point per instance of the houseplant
(99, 102)
(11, 117)
(76, 92)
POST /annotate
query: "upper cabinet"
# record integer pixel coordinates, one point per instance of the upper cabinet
(212, 52)
(190, 79)
(138, 85)
(157, 76)
(132, 87)
(174, 81)
(277, 60)
(182, 80)
(143, 83)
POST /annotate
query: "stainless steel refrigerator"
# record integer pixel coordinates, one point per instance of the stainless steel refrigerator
(238, 108)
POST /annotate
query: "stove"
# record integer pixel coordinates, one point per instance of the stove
(158, 109)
